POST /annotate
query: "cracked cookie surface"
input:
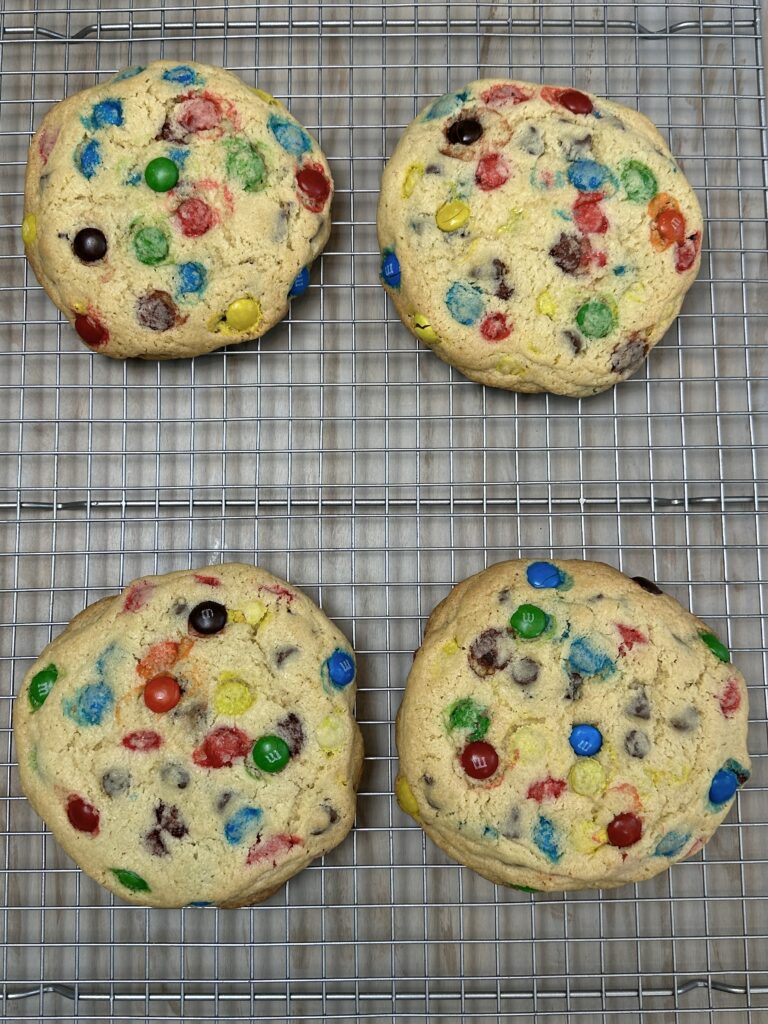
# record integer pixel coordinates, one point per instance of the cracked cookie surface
(565, 727)
(192, 740)
(173, 210)
(537, 238)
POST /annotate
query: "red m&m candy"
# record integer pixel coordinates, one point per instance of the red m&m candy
(575, 101)
(162, 693)
(492, 171)
(625, 830)
(82, 816)
(91, 330)
(195, 217)
(314, 187)
(479, 760)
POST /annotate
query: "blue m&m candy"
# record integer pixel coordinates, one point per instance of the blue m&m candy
(341, 668)
(544, 575)
(390, 269)
(724, 785)
(300, 285)
(585, 740)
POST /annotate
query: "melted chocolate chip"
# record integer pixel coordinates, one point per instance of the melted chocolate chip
(333, 817)
(639, 706)
(283, 653)
(686, 720)
(648, 585)
(180, 607)
(291, 730)
(504, 595)
(573, 689)
(174, 775)
(155, 844)
(511, 828)
(577, 149)
(156, 311)
(223, 799)
(629, 357)
(637, 744)
(566, 252)
(432, 169)
(464, 132)
(576, 340)
(490, 652)
(428, 780)
(530, 141)
(504, 291)
(115, 781)
(524, 671)
(169, 819)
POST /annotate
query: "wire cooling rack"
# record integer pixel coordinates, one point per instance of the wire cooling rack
(373, 476)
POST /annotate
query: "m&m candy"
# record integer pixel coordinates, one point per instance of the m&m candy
(341, 668)
(90, 245)
(271, 754)
(479, 760)
(41, 685)
(625, 830)
(207, 618)
(528, 621)
(162, 693)
(585, 740)
(161, 174)
(723, 787)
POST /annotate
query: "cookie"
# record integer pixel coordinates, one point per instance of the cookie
(565, 727)
(537, 238)
(192, 740)
(173, 210)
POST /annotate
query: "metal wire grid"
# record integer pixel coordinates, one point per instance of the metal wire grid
(373, 476)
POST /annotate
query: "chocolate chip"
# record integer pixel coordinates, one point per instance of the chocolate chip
(576, 149)
(174, 775)
(490, 652)
(504, 595)
(291, 730)
(284, 652)
(639, 706)
(428, 780)
(432, 169)
(648, 585)
(504, 291)
(686, 720)
(566, 252)
(115, 781)
(573, 689)
(155, 844)
(156, 311)
(576, 341)
(169, 819)
(629, 357)
(464, 132)
(223, 799)
(511, 827)
(637, 744)
(500, 269)
(530, 141)
(333, 817)
(179, 607)
(524, 671)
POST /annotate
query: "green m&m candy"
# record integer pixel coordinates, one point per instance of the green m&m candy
(639, 181)
(529, 621)
(271, 754)
(245, 164)
(150, 246)
(715, 645)
(131, 881)
(41, 686)
(161, 174)
(595, 319)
